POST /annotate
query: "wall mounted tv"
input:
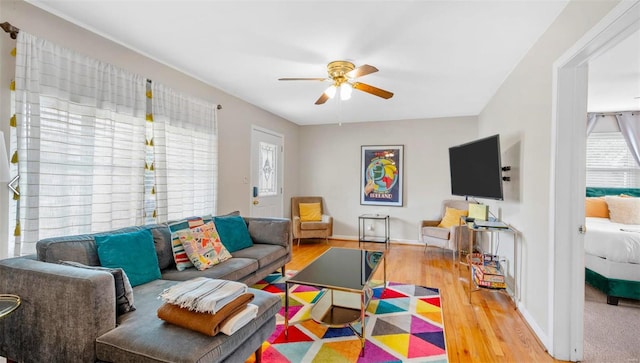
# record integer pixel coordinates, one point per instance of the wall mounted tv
(476, 170)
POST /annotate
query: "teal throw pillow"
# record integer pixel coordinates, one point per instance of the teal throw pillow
(233, 232)
(134, 252)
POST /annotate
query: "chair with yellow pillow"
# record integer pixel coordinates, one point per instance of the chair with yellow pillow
(444, 231)
(309, 220)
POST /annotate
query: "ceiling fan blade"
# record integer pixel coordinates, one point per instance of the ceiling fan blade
(323, 98)
(363, 70)
(302, 79)
(373, 90)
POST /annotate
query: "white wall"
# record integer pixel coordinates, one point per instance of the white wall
(521, 112)
(330, 167)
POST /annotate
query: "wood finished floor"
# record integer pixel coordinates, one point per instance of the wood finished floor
(487, 330)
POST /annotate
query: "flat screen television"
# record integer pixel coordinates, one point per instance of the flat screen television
(476, 170)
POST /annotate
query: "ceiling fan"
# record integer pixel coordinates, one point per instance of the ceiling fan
(342, 74)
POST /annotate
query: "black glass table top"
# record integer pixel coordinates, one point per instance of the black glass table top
(342, 268)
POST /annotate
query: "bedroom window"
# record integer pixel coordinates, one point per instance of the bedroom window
(610, 163)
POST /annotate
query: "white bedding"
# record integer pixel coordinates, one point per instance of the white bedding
(613, 241)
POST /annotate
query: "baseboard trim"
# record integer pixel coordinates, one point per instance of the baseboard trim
(394, 241)
(538, 333)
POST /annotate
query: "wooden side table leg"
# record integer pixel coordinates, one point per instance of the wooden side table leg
(258, 354)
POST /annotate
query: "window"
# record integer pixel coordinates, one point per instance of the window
(610, 163)
(88, 161)
(268, 157)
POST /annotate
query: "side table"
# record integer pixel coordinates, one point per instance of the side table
(8, 303)
(362, 231)
(466, 259)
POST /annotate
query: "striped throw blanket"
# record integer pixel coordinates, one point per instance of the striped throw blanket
(203, 294)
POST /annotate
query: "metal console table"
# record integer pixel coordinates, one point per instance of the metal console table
(466, 260)
(362, 231)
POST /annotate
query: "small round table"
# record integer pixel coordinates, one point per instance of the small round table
(8, 303)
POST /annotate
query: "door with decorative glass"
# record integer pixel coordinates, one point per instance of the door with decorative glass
(267, 166)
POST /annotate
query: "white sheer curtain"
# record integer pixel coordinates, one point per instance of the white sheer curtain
(629, 123)
(81, 142)
(186, 154)
(591, 122)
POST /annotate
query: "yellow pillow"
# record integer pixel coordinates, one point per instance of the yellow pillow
(310, 212)
(452, 217)
(596, 207)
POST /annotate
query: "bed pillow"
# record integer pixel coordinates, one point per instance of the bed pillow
(624, 210)
(596, 207)
(452, 217)
(202, 245)
(134, 252)
(124, 291)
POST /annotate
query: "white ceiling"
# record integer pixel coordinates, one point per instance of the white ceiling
(614, 78)
(440, 58)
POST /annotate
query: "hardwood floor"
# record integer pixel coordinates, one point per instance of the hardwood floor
(488, 330)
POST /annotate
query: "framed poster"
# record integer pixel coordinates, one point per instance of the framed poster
(381, 175)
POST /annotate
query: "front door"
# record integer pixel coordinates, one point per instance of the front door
(267, 166)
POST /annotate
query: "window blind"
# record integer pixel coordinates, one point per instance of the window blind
(610, 163)
(186, 154)
(80, 140)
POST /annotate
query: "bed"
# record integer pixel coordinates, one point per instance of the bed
(612, 252)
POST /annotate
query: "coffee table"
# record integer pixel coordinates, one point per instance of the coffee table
(345, 275)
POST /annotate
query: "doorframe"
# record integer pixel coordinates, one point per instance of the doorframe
(569, 104)
(280, 170)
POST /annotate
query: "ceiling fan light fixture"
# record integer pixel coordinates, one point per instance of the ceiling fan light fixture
(331, 91)
(345, 91)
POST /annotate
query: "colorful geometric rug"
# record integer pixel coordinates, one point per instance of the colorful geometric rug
(403, 324)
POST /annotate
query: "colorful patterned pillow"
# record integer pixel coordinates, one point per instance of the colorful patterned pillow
(179, 254)
(203, 247)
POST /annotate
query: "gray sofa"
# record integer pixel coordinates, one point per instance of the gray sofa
(68, 313)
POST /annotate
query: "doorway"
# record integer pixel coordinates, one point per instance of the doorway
(267, 170)
(566, 303)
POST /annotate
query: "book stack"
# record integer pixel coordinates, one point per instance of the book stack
(489, 276)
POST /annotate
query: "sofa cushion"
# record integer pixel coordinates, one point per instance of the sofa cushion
(236, 269)
(134, 252)
(313, 225)
(233, 231)
(437, 232)
(137, 335)
(124, 290)
(269, 230)
(80, 248)
(202, 245)
(263, 253)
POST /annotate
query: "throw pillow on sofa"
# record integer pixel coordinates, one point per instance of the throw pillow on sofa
(134, 252)
(179, 254)
(124, 292)
(202, 245)
(233, 232)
